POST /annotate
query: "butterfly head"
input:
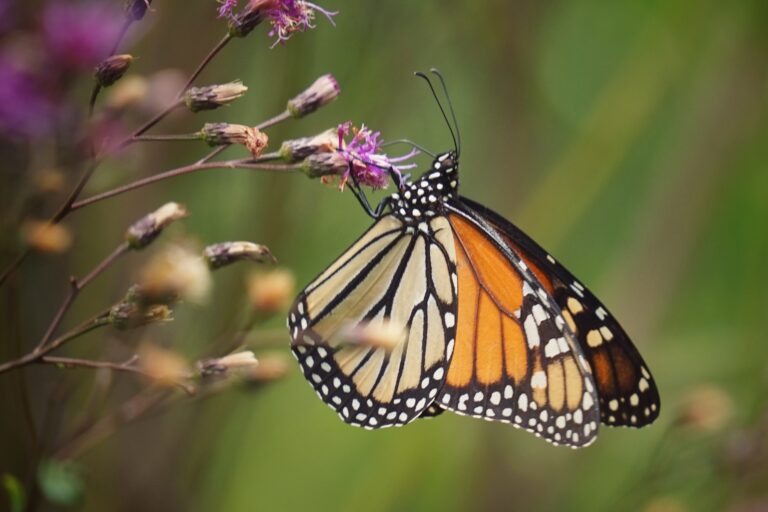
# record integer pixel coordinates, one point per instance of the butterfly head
(424, 197)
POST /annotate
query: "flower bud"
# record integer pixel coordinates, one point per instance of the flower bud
(322, 92)
(271, 292)
(136, 9)
(237, 361)
(222, 134)
(377, 335)
(112, 69)
(127, 93)
(145, 230)
(134, 310)
(270, 368)
(162, 366)
(296, 150)
(705, 408)
(46, 237)
(242, 24)
(226, 253)
(324, 164)
(210, 97)
(176, 273)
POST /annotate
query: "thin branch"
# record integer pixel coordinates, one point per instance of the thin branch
(74, 290)
(187, 169)
(65, 208)
(275, 120)
(165, 138)
(85, 327)
(207, 60)
(128, 367)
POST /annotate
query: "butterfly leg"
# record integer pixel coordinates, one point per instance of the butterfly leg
(363, 200)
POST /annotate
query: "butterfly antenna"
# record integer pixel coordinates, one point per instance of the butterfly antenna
(410, 143)
(439, 104)
(439, 75)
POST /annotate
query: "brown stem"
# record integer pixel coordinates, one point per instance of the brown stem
(128, 366)
(85, 327)
(187, 169)
(92, 101)
(74, 289)
(163, 138)
(65, 208)
(275, 120)
(131, 410)
(207, 60)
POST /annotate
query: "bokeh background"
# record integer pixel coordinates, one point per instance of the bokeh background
(628, 138)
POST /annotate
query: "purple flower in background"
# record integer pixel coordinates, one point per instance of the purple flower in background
(227, 8)
(286, 16)
(25, 109)
(292, 16)
(78, 36)
(367, 164)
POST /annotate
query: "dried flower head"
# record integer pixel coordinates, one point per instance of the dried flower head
(132, 311)
(163, 366)
(705, 408)
(148, 228)
(378, 335)
(50, 180)
(243, 360)
(210, 97)
(127, 93)
(271, 292)
(324, 165)
(226, 253)
(222, 134)
(286, 17)
(46, 237)
(175, 273)
(296, 150)
(112, 69)
(367, 164)
(323, 91)
(270, 368)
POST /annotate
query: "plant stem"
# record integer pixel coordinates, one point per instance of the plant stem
(207, 60)
(163, 138)
(275, 120)
(74, 290)
(179, 171)
(128, 367)
(85, 327)
(65, 208)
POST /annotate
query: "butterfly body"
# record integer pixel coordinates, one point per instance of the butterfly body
(491, 325)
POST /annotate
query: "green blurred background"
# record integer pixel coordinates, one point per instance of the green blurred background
(628, 138)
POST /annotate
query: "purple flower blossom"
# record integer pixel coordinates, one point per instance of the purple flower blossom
(367, 164)
(25, 109)
(286, 16)
(227, 8)
(79, 35)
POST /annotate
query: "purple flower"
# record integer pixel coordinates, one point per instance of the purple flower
(367, 164)
(227, 8)
(25, 109)
(286, 16)
(79, 35)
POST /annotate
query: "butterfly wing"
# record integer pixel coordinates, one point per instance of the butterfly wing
(628, 395)
(515, 359)
(394, 273)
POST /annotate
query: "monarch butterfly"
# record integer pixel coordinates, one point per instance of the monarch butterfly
(494, 327)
